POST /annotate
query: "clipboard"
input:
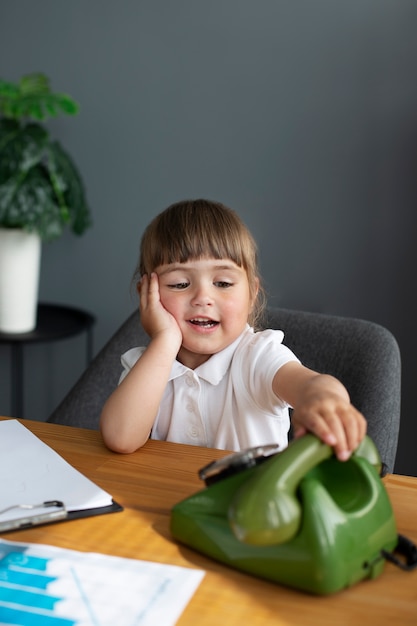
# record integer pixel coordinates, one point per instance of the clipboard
(48, 513)
(36, 474)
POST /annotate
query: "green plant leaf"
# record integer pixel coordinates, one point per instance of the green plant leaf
(33, 206)
(67, 181)
(32, 99)
(41, 188)
(34, 83)
(21, 148)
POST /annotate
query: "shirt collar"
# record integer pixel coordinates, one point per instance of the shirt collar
(215, 367)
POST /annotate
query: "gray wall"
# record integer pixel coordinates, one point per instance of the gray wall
(301, 115)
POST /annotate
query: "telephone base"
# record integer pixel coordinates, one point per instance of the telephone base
(346, 522)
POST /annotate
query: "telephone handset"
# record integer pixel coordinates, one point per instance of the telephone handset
(236, 462)
(266, 510)
(299, 517)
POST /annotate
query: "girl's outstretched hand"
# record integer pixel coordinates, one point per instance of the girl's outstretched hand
(321, 405)
(333, 419)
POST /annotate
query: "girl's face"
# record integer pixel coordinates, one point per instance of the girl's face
(210, 300)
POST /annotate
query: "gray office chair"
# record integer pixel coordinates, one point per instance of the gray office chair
(363, 355)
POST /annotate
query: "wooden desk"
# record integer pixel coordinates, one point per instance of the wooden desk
(149, 482)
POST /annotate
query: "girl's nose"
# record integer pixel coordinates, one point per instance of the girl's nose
(202, 297)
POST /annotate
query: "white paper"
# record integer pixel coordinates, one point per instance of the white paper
(32, 473)
(43, 585)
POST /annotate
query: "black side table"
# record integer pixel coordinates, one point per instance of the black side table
(54, 322)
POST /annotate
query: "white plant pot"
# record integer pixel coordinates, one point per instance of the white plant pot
(20, 255)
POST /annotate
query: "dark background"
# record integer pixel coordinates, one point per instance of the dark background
(300, 115)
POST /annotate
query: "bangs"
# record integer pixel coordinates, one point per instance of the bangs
(193, 230)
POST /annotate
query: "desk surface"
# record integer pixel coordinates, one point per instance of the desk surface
(149, 482)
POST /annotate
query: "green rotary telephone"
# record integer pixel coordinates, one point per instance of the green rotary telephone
(298, 517)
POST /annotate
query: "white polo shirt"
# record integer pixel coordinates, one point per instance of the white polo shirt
(227, 402)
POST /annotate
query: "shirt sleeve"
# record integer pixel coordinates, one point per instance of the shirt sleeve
(265, 354)
(129, 359)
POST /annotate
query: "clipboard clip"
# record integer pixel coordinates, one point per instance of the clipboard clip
(39, 516)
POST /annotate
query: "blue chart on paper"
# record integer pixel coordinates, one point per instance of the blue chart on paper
(24, 593)
(47, 586)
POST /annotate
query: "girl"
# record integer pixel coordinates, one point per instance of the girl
(207, 378)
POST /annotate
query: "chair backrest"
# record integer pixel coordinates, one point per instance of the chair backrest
(82, 405)
(363, 355)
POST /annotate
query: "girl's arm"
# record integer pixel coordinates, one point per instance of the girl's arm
(129, 413)
(321, 405)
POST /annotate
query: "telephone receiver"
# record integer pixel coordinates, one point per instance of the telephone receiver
(266, 510)
(299, 517)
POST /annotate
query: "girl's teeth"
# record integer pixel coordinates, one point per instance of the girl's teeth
(203, 322)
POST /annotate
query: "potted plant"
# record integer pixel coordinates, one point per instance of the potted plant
(41, 192)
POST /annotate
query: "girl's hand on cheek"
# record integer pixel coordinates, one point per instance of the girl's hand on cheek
(154, 316)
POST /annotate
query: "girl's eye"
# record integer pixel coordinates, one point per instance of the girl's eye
(223, 284)
(179, 286)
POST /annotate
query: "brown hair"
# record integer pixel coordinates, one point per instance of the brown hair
(193, 229)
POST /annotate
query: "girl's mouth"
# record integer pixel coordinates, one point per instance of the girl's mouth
(203, 322)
